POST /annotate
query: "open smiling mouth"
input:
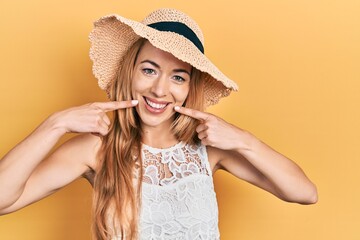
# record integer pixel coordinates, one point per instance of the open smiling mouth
(155, 106)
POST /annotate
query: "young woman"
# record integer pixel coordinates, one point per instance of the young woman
(151, 164)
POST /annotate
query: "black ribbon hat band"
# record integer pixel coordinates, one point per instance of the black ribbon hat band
(179, 28)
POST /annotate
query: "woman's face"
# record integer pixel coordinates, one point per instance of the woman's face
(160, 82)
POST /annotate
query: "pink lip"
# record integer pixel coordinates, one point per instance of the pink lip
(155, 101)
(155, 110)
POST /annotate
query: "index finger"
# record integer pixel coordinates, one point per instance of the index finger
(192, 113)
(110, 106)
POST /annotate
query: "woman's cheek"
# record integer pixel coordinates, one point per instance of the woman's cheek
(180, 93)
(137, 85)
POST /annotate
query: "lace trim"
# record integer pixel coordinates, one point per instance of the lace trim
(169, 149)
(166, 166)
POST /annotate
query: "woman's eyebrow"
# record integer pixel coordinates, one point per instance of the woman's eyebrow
(151, 62)
(178, 70)
(181, 71)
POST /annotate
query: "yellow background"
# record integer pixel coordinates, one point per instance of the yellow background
(298, 67)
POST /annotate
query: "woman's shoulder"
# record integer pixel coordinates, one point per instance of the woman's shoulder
(86, 147)
(215, 155)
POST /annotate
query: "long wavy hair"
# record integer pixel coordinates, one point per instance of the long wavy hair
(117, 184)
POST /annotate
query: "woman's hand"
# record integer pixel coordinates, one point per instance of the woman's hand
(88, 118)
(216, 132)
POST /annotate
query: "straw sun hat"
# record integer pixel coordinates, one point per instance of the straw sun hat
(167, 29)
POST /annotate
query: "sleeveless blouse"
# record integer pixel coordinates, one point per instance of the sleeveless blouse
(178, 200)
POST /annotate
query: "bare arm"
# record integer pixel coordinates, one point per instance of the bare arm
(26, 177)
(262, 166)
(18, 164)
(246, 157)
(288, 180)
(69, 162)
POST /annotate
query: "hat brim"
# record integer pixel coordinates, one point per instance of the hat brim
(113, 35)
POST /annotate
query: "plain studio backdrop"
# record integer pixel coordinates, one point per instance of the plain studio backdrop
(297, 64)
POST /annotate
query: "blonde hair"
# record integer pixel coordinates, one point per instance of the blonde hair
(117, 185)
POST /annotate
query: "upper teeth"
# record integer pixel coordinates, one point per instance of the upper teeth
(155, 105)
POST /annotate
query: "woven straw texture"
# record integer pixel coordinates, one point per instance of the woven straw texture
(113, 35)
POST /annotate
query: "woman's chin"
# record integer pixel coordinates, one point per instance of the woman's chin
(157, 120)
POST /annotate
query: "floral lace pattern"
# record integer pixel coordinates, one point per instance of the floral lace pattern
(165, 166)
(178, 197)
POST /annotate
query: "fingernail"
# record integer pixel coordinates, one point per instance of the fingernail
(177, 108)
(134, 102)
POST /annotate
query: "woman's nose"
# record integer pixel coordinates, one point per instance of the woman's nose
(160, 88)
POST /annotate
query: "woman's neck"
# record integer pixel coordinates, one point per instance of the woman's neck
(158, 137)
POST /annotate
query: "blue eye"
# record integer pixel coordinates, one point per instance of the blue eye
(179, 79)
(148, 71)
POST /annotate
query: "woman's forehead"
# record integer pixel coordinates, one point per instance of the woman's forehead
(149, 52)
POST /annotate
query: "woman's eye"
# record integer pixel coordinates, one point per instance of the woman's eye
(148, 71)
(179, 79)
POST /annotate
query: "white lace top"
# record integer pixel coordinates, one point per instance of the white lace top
(178, 198)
